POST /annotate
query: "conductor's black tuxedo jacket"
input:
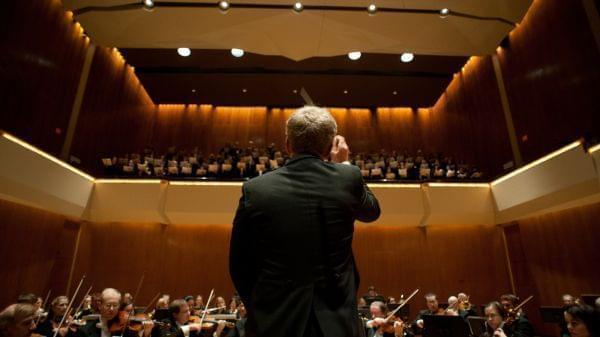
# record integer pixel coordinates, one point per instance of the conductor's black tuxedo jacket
(291, 248)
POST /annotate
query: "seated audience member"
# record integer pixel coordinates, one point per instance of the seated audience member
(108, 307)
(433, 308)
(498, 325)
(18, 320)
(58, 308)
(582, 320)
(372, 296)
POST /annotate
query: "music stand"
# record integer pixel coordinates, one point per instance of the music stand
(364, 312)
(589, 299)
(477, 325)
(445, 326)
(161, 314)
(403, 312)
(552, 314)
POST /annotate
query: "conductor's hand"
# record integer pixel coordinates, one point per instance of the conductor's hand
(339, 150)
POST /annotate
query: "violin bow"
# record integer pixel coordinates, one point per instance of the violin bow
(43, 307)
(401, 305)
(151, 302)
(82, 300)
(69, 307)
(212, 292)
(132, 312)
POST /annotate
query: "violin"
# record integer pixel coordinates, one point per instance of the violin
(514, 314)
(391, 322)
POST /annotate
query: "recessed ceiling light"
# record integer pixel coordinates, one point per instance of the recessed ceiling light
(148, 4)
(185, 52)
(237, 52)
(407, 57)
(295, 91)
(372, 9)
(394, 93)
(354, 55)
(223, 6)
(193, 90)
(444, 12)
(298, 7)
(244, 90)
(345, 92)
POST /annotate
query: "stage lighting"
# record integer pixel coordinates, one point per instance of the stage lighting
(223, 6)
(148, 4)
(407, 57)
(372, 9)
(185, 52)
(444, 12)
(354, 55)
(298, 7)
(237, 52)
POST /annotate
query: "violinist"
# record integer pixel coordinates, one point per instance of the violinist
(465, 308)
(221, 306)
(58, 308)
(86, 307)
(240, 324)
(377, 326)
(500, 323)
(433, 308)
(127, 326)
(127, 298)
(18, 320)
(509, 301)
(582, 320)
(199, 302)
(191, 304)
(109, 308)
(176, 325)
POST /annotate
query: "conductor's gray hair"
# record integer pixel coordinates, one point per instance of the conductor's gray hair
(310, 130)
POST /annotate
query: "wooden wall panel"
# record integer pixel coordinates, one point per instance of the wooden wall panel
(554, 254)
(441, 259)
(35, 250)
(116, 112)
(41, 62)
(551, 69)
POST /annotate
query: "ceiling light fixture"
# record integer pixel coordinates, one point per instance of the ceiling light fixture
(148, 4)
(345, 92)
(407, 57)
(372, 9)
(185, 52)
(298, 7)
(444, 12)
(354, 55)
(237, 52)
(223, 6)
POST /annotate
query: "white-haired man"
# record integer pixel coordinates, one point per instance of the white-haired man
(291, 246)
(109, 308)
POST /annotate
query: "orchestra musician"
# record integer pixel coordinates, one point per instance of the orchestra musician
(500, 323)
(109, 307)
(376, 325)
(176, 325)
(58, 308)
(433, 308)
(582, 320)
(18, 320)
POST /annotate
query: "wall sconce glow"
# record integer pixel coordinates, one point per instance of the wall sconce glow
(128, 181)
(407, 57)
(354, 55)
(47, 156)
(223, 6)
(444, 12)
(148, 4)
(594, 148)
(372, 9)
(479, 185)
(298, 7)
(185, 52)
(237, 52)
(537, 162)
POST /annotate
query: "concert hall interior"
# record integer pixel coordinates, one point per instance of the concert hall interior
(476, 124)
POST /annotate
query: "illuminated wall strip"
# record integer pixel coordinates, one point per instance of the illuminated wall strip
(128, 181)
(594, 148)
(479, 185)
(537, 162)
(206, 183)
(394, 185)
(47, 156)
